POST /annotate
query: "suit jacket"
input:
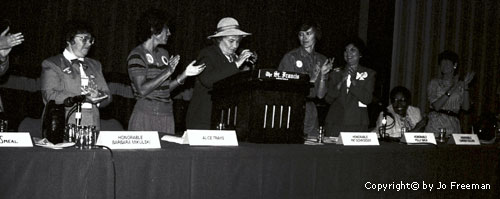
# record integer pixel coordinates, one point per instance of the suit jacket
(217, 68)
(57, 84)
(348, 111)
(3, 69)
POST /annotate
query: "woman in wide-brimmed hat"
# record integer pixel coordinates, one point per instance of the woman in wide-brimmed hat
(221, 61)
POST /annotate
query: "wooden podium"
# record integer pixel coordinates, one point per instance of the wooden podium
(263, 106)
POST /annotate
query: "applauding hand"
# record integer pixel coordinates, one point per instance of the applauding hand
(192, 70)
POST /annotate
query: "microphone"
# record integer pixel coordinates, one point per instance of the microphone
(70, 101)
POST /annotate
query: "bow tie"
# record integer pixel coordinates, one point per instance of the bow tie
(77, 62)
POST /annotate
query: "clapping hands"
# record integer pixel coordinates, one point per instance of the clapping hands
(7, 41)
(459, 85)
(192, 70)
(173, 61)
(327, 67)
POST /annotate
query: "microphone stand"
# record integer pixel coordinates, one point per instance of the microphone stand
(78, 114)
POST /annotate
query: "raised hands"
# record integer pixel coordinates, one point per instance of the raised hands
(468, 78)
(458, 86)
(192, 70)
(327, 67)
(173, 61)
(8, 40)
(244, 55)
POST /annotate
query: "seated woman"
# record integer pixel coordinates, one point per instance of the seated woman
(400, 114)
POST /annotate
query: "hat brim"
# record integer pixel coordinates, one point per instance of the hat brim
(230, 32)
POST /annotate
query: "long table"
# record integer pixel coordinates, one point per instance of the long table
(252, 171)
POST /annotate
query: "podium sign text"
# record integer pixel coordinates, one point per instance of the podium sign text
(358, 139)
(210, 137)
(419, 138)
(15, 139)
(129, 139)
(465, 139)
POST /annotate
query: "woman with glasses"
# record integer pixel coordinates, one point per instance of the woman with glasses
(70, 75)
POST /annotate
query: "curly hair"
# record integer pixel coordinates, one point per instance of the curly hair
(448, 55)
(74, 27)
(400, 89)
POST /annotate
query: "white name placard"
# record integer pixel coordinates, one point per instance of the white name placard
(129, 139)
(419, 138)
(15, 139)
(358, 139)
(464, 139)
(210, 137)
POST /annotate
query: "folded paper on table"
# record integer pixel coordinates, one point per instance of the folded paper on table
(174, 139)
(47, 144)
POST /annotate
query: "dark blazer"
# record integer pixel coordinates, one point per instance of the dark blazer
(217, 68)
(346, 113)
(58, 84)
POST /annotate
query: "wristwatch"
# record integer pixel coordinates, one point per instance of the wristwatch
(447, 94)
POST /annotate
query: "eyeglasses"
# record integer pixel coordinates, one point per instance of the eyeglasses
(86, 39)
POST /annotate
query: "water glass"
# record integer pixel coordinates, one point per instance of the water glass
(4, 124)
(442, 134)
(86, 137)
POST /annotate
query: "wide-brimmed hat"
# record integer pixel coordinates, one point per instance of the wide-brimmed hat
(228, 26)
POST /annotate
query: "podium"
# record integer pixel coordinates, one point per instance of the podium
(263, 106)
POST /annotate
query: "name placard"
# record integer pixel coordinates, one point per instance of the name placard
(15, 139)
(419, 138)
(464, 139)
(129, 139)
(210, 137)
(358, 139)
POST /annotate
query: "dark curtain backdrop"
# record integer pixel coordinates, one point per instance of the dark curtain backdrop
(273, 25)
(424, 28)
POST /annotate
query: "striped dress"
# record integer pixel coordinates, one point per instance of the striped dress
(152, 112)
(435, 90)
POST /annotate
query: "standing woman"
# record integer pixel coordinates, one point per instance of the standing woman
(150, 68)
(447, 95)
(221, 61)
(349, 91)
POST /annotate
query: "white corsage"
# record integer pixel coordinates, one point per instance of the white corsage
(299, 64)
(337, 69)
(361, 76)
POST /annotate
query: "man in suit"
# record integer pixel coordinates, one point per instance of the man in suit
(71, 74)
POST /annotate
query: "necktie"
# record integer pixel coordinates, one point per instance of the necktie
(77, 63)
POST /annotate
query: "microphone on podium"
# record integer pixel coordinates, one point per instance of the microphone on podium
(70, 101)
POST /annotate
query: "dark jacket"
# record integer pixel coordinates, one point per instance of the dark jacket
(217, 68)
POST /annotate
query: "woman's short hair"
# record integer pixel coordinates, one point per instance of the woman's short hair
(358, 43)
(315, 26)
(151, 22)
(74, 27)
(400, 89)
(448, 55)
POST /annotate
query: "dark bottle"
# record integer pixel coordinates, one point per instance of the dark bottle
(53, 125)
